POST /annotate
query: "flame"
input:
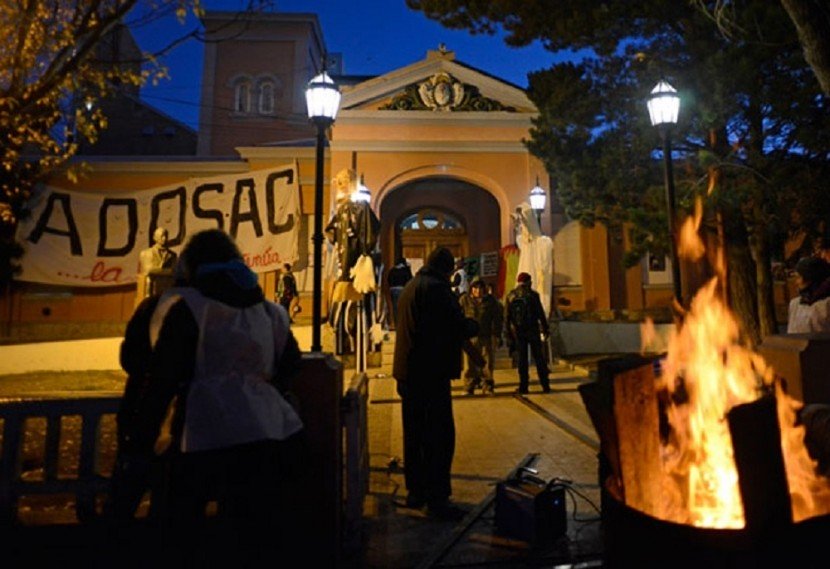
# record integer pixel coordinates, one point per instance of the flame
(809, 493)
(708, 371)
(691, 245)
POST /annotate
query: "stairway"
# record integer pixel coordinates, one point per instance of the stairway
(503, 359)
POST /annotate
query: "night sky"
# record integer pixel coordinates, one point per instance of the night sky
(374, 36)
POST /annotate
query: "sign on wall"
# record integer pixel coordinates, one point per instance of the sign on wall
(93, 239)
(489, 264)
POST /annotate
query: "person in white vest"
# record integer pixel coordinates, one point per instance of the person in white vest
(222, 357)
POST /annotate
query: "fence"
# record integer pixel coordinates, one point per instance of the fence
(92, 478)
(89, 481)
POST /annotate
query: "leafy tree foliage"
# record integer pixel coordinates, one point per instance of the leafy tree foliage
(752, 139)
(811, 19)
(51, 75)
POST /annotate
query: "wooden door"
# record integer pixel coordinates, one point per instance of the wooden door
(423, 232)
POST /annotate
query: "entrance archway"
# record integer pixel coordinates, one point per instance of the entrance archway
(438, 211)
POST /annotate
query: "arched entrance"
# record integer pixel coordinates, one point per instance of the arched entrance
(427, 229)
(438, 211)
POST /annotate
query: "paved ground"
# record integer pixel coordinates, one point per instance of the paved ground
(494, 435)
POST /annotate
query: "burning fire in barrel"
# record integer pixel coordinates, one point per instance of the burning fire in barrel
(703, 455)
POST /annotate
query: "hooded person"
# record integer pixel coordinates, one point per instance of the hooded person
(430, 335)
(222, 356)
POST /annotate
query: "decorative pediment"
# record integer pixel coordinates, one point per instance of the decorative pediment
(443, 92)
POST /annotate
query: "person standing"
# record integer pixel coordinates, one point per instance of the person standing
(398, 276)
(430, 336)
(526, 325)
(287, 293)
(223, 357)
(810, 311)
(459, 280)
(482, 306)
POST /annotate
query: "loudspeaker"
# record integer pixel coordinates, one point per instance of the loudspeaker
(531, 510)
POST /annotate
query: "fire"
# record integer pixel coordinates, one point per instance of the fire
(708, 370)
(706, 373)
(809, 493)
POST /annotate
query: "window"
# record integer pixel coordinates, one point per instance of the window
(428, 219)
(266, 98)
(242, 97)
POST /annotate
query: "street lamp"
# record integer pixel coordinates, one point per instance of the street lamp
(322, 99)
(663, 107)
(538, 197)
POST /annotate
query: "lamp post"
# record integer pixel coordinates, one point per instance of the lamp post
(538, 197)
(322, 99)
(663, 107)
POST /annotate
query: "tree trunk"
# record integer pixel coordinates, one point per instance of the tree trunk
(763, 276)
(812, 22)
(755, 219)
(742, 288)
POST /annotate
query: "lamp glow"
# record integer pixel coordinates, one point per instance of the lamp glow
(663, 104)
(322, 98)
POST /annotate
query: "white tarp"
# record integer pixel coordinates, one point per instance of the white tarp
(93, 239)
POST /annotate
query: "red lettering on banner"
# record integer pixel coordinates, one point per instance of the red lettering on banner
(102, 274)
(266, 258)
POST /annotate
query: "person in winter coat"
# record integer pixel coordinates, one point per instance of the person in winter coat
(398, 276)
(430, 336)
(482, 307)
(223, 357)
(810, 310)
(527, 324)
(287, 292)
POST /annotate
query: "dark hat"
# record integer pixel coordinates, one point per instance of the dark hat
(812, 269)
(441, 260)
(523, 278)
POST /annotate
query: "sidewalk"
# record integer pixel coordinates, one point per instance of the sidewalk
(494, 434)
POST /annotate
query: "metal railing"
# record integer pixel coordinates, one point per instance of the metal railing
(89, 481)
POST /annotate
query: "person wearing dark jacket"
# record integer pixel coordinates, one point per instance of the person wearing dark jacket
(222, 356)
(430, 336)
(483, 307)
(527, 324)
(398, 276)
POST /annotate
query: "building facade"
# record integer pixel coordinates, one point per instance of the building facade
(438, 143)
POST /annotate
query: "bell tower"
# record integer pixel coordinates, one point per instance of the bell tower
(256, 67)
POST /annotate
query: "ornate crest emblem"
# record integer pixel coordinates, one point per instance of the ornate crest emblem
(441, 92)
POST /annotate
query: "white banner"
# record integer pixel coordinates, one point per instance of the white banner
(93, 239)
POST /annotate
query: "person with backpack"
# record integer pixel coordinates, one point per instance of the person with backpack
(526, 325)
